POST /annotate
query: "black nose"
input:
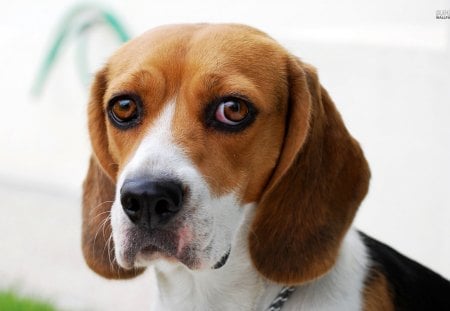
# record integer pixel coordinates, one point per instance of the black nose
(151, 203)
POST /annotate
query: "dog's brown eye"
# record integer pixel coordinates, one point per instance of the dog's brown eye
(124, 111)
(232, 112)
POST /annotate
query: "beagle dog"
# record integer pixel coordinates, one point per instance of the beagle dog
(221, 161)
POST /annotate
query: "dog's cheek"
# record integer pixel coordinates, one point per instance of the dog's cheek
(228, 215)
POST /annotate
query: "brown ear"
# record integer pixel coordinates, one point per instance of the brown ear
(315, 190)
(98, 194)
(97, 124)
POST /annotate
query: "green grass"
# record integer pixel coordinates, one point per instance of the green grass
(9, 301)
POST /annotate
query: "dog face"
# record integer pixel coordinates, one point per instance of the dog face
(192, 127)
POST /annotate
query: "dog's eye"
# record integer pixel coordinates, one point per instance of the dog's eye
(124, 111)
(231, 114)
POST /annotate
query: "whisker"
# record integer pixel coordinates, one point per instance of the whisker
(101, 227)
(99, 205)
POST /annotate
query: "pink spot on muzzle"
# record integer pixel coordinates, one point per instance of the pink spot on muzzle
(184, 238)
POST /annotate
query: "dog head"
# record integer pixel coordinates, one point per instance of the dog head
(192, 126)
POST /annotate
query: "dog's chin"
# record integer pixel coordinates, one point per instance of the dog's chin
(152, 254)
(148, 255)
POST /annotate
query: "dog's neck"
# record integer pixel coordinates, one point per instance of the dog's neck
(236, 286)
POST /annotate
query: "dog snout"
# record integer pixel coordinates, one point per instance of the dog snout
(150, 203)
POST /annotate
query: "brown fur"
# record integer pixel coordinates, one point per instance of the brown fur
(296, 160)
(377, 295)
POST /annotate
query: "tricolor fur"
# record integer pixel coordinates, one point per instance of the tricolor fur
(278, 195)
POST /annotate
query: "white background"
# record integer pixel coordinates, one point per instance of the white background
(386, 64)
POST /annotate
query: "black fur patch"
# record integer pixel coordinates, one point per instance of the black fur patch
(413, 286)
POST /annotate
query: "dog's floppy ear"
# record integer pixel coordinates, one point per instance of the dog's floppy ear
(315, 189)
(97, 124)
(98, 194)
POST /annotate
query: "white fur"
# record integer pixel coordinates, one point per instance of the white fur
(220, 222)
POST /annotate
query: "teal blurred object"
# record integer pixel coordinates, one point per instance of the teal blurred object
(79, 21)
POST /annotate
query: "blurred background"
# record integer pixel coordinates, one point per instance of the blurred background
(386, 64)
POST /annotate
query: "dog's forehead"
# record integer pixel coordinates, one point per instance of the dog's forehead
(209, 46)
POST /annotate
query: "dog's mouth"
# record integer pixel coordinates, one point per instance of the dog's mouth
(152, 252)
(185, 256)
(176, 246)
(222, 260)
